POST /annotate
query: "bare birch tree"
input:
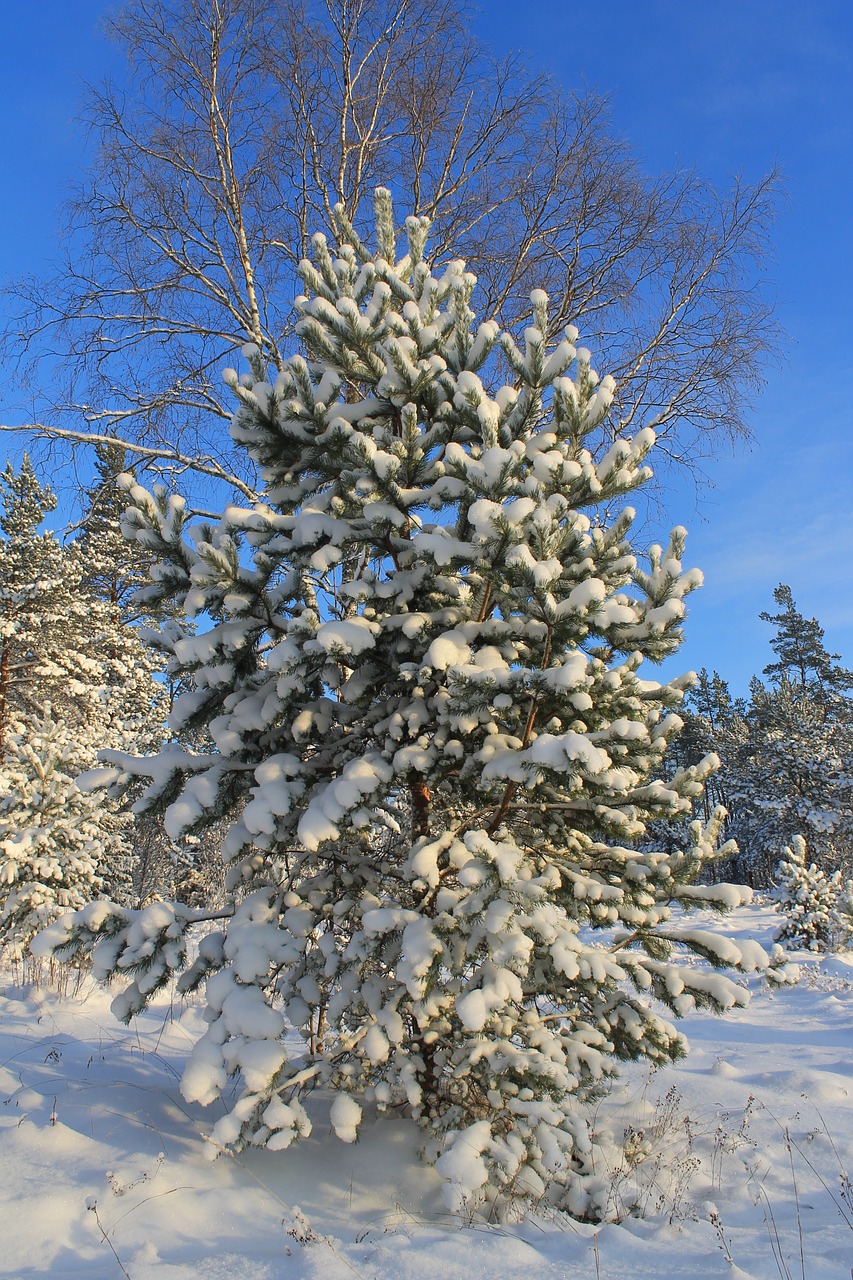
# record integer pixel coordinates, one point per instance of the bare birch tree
(238, 126)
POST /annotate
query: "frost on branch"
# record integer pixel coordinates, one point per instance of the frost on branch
(419, 666)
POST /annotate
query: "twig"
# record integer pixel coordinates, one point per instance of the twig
(92, 1206)
(773, 1235)
(790, 1151)
(158, 1195)
(839, 1204)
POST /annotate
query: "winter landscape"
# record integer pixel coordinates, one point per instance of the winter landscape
(380, 889)
(731, 1164)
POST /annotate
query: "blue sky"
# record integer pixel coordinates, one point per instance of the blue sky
(734, 86)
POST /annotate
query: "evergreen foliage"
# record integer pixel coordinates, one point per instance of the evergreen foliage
(73, 679)
(713, 722)
(794, 772)
(797, 774)
(786, 754)
(114, 569)
(57, 843)
(134, 703)
(712, 725)
(802, 658)
(136, 693)
(45, 616)
(808, 899)
(63, 634)
(420, 680)
(844, 915)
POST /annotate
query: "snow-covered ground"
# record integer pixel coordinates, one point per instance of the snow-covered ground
(736, 1158)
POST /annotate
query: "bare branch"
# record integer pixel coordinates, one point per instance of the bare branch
(239, 126)
(148, 453)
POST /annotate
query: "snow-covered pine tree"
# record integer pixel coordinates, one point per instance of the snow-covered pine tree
(808, 899)
(714, 722)
(73, 678)
(844, 916)
(114, 568)
(45, 631)
(710, 726)
(133, 703)
(136, 695)
(793, 771)
(421, 678)
(56, 842)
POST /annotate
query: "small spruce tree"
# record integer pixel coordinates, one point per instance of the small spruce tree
(421, 681)
(135, 695)
(133, 701)
(712, 722)
(808, 899)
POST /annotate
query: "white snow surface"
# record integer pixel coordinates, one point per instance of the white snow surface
(96, 1138)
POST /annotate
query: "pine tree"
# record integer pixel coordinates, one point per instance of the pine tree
(114, 568)
(794, 772)
(56, 841)
(713, 725)
(134, 703)
(802, 658)
(786, 755)
(140, 693)
(420, 680)
(74, 678)
(45, 631)
(808, 899)
(136, 695)
(844, 916)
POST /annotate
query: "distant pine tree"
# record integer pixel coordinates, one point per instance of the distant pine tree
(794, 771)
(46, 634)
(74, 678)
(802, 658)
(134, 701)
(713, 726)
